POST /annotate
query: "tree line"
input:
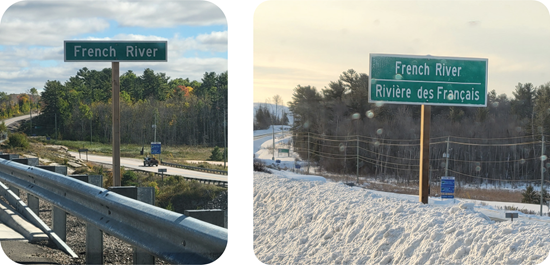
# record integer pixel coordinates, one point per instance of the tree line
(341, 110)
(16, 104)
(266, 116)
(184, 111)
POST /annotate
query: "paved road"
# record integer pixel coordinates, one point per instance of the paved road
(138, 164)
(256, 137)
(14, 119)
(10, 121)
(23, 252)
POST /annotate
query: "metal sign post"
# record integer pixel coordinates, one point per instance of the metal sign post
(83, 150)
(511, 216)
(427, 80)
(116, 123)
(424, 153)
(115, 52)
(161, 171)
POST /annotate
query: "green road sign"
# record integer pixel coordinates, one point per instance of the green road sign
(115, 51)
(283, 150)
(429, 80)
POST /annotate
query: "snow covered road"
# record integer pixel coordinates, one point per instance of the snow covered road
(312, 222)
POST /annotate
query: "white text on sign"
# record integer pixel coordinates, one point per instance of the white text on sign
(440, 69)
(131, 51)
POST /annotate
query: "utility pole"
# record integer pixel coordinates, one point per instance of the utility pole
(447, 160)
(282, 130)
(357, 159)
(91, 103)
(542, 159)
(308, 153)
(273, 134)
(155, 126)
(55, 126)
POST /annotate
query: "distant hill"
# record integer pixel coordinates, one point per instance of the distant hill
(279, 108)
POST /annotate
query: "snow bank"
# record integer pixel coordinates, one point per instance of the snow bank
(276, 128)
(263, 152)
(291, 175)
(320, 223)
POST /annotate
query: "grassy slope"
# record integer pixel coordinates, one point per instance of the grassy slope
(172, 154)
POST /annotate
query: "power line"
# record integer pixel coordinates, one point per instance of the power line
(510, 180)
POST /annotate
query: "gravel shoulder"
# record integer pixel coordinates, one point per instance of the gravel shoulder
(115, 251)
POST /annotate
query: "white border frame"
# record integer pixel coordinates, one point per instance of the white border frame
(113, 41)
(371, 55)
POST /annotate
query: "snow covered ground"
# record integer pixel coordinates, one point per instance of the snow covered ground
(490, 208)
(307, 219)
(263, 147)
(312, 222)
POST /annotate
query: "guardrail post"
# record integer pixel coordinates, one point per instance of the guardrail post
(9, 156)
(26, 161)
(94, 244)
(213, 216)
(143, 194)
(14, 190)
(59, 217)
(34, 203)
(59, 223)
(94, 236)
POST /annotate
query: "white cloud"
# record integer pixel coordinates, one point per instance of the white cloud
(212, 42)
(147, 14)
(128, 37)
(168, 14)
(32, 34)
(47, 33)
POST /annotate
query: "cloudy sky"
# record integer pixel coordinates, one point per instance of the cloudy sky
(312, 43)
(32, 35)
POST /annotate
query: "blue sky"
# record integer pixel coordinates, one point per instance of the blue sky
(32, 35)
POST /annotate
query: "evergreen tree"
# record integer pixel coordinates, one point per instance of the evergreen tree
(306, 106)
(217, 155)
(528, 195)
(542, 109)
(284, 119)
(522, 105)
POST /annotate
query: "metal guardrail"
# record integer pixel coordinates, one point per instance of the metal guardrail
(171, 236)
(220, 183)
(223, 172)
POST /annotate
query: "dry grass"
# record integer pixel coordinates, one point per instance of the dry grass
(38, 149)
(174, 153)
(489, 194)
(171, 154)
(412, 189)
